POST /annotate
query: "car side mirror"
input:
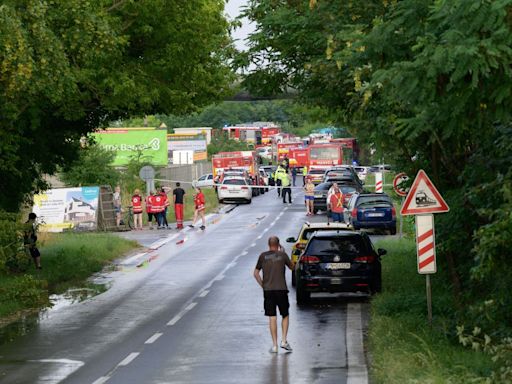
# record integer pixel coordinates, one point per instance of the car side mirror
(381, 252)
(291, 240)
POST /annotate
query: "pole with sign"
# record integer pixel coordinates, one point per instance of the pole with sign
(422, 201)
(379, 185)
(401, 191)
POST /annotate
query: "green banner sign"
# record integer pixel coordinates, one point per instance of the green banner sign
(127, 143)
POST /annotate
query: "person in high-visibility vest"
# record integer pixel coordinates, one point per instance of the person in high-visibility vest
(304, 175)
(280, 171)
(158, 205)
(137, 210)
(336, 205)
(285, 182)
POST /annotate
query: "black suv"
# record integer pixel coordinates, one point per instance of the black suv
(338, 261)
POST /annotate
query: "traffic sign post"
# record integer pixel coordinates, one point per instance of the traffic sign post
(147, 173)
(379, 187)
(400, 191)
(423, 200)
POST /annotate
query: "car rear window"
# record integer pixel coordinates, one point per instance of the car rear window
(235, 182)
(345, 245)
(316, 172)
(373, 201)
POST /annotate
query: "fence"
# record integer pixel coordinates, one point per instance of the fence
(184, 173)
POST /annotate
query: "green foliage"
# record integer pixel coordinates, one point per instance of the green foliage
(221, 143)
(91, 168)
(13, 256)
(26, 291)
(68, 67)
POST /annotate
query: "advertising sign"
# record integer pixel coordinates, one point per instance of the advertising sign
(181, 142)
(67, 208)
(127, 143)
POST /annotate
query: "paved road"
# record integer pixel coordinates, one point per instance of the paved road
(193, 314)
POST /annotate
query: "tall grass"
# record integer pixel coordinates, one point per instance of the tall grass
(403, 347)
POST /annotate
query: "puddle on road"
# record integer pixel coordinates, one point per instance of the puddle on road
(30, 319)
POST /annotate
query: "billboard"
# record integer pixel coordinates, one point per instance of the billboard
(187, 142)
(127, 143)
(67, 208)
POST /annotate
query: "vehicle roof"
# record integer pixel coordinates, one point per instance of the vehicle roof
(373, 195)
(340, 233)
(325, 225)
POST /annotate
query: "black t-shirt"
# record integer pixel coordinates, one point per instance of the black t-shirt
(179, 193)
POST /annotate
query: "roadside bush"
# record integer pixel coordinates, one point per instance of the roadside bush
(26, 291)
(13, 257)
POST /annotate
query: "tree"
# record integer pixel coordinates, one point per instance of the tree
(91, 168)
(69, 67)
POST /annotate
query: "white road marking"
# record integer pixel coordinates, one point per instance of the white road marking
(265, 230)
(134, 258)
(128, 359)
(252, 245)
(357, 372)
(101, 380)
(219, 278)
(175, 319)
(204, 293)
(260, 236)
(190, 306)
(244, 253)
(153, 338)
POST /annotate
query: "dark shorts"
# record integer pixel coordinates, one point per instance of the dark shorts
(309, 198)
(150, 217)
(273, 299)
(337, 216)
(34, 252)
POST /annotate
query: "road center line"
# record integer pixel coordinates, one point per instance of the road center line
(101, 380)
(204, 293)
(153, 338)
(244, 253)
(128, 359)
(175, 319)
(260, 236)
(190, 306)
(253, 245)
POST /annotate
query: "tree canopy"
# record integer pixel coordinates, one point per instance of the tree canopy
(68, 67)
(427, 82)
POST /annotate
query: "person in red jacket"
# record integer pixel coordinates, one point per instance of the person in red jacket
(199, 202)
(137, 210)
(336, 205)
(163, 193)
(149, 209)
(158, 208)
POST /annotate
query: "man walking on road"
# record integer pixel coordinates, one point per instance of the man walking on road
(275, 291)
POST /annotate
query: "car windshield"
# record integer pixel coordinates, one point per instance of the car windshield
(345, 245)
(235, 182)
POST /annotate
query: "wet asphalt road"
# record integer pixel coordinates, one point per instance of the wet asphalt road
(194, 314)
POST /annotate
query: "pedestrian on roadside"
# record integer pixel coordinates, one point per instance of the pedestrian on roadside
(117, 204)
(200, 208)
(158, 207)
(149, 209)
(30, 239)
(275, 291)
(285, 182)
(304, 175)
(294, 175)
(336, 205)
(137, 210)
(178, 197)
(309, 192)
(166, 204)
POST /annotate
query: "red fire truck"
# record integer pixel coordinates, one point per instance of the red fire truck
(236, 161)
(350, 149)
(267, 133)
(325, 155)
(252, 135)
(296, 152)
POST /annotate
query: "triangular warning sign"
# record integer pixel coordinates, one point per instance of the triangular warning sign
(423, 197)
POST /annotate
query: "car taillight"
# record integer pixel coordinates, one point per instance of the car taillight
(364, 259)
(309, 260)
(245, 187)
(354, 213)
(393, 212)
(223, 187)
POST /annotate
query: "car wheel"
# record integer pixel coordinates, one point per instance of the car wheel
(392, 231)
(376, 286)
(221, 201)
(315, 210)
(249, 201)
(301, 295)
(294, 280)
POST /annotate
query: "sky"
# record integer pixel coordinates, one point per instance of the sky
(233, 10)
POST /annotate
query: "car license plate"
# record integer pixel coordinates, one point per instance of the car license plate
(338, 266)
(375, 214)
(335, 281)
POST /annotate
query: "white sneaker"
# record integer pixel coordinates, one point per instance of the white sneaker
(286, 346)
(273, 349)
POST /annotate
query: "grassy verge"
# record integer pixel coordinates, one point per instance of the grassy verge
(68, 259)
(403, 348)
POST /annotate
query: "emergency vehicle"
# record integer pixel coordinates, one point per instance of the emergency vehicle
(241, 160)
(350, 149)
(323, 156)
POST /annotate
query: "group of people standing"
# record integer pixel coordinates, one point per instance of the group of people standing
(157, 205)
